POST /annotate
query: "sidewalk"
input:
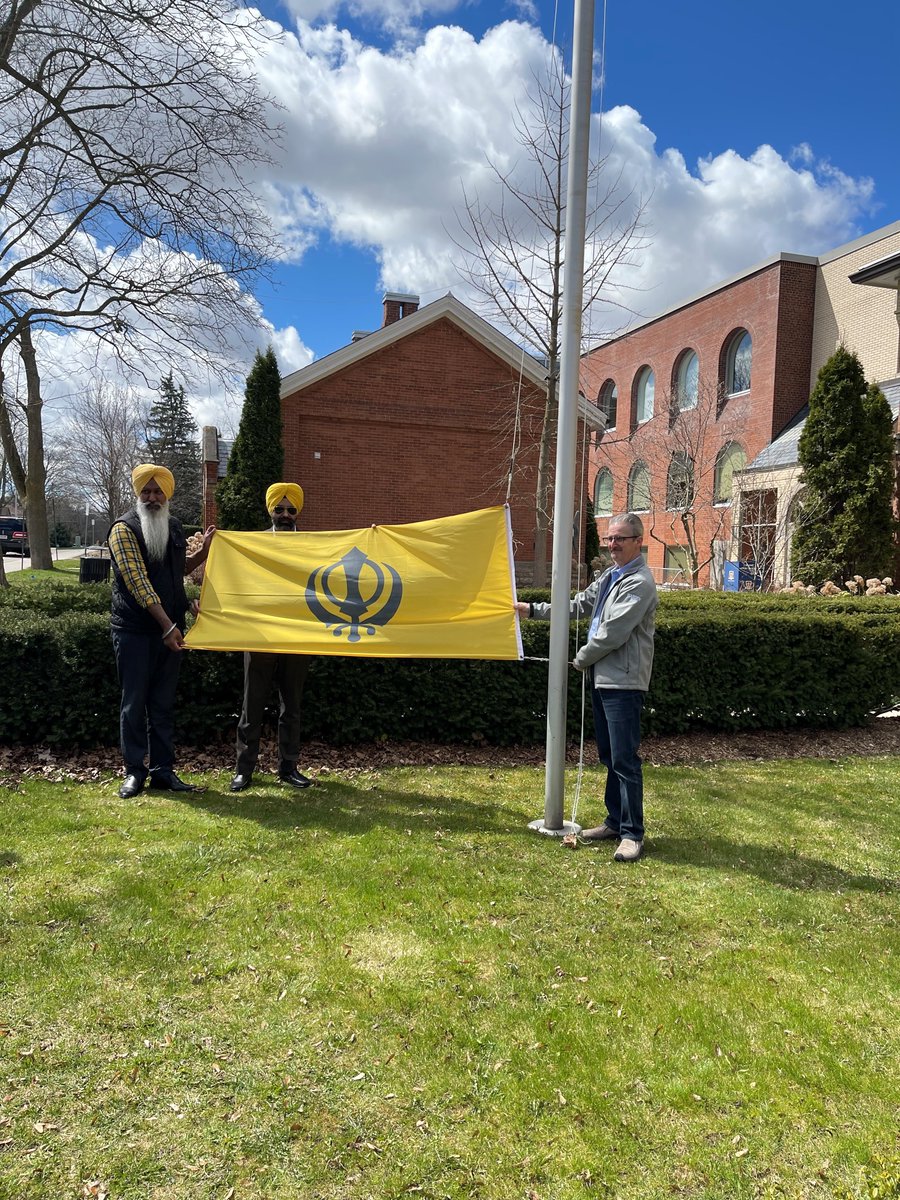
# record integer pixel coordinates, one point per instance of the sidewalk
(15, 562)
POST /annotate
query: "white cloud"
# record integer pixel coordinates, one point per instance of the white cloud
(378, 145)
(402, 18)
(72, 363)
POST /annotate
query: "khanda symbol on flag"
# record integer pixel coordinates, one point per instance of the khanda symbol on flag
(354, 594)
(441, 588)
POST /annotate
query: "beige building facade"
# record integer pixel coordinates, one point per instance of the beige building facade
(863, 317)
(857, 304)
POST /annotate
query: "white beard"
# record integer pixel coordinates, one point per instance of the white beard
(155, 528)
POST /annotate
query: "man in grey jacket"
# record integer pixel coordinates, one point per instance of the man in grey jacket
(618, 654)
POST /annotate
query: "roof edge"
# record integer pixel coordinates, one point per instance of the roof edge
(447, 306)
(719, 286)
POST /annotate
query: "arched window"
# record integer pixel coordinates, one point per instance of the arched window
(687, 381)
(608, 402)
(603, 493)
(738, 362)
(644, 388)
(639, 488)
(730, 461)
(680, 482)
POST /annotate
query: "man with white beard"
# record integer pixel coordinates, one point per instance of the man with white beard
(149, 605)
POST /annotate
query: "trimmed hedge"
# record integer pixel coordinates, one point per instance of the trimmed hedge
(722, 662)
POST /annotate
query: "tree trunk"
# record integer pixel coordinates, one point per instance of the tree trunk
(12, 457)
(688, 524)
(35, 486)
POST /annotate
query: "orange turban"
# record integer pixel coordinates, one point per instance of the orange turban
(293, 491)
(144, 472)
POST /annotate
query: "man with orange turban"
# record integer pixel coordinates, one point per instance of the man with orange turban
(261, 670)
(149, 561)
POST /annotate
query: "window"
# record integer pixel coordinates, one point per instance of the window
(644, 388)
(676, 565)
(680, 482)
(608, 402)
(738, 362)
(730, 461)
(603, 493)
(639, 488)
(758, 529)
(687, 381)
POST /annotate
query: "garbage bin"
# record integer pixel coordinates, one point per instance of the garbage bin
(93, 570)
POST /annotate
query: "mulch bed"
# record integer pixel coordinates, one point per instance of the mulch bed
(881, 736)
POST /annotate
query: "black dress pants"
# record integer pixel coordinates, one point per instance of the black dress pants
(287, 672)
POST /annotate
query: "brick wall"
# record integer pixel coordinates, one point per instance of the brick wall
(210, 482)
(775, 306)
(420, 429)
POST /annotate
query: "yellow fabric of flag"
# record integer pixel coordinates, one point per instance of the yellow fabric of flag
(433, 589)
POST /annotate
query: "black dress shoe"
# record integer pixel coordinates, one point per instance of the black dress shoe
(131, 785)
(171, 783)
(240, 782)
(295, 779)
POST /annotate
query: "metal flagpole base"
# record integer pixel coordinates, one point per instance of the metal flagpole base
(567, 828)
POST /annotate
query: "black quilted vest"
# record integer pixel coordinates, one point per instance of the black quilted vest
(166, 578)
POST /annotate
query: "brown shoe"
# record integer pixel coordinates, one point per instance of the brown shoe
(602, 833)
(629, 850)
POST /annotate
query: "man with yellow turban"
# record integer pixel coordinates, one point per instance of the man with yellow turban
(261, 670)
(149, 562)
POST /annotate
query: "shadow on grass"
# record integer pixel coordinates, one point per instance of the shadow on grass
(342, 808)
(780, 867)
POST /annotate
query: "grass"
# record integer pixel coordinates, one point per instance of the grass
(65, 570)
(388, 987)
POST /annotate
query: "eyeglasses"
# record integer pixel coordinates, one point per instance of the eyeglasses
(628, 537)
(279, 509)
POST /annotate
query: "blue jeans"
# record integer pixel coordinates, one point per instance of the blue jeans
(617, 725)
(148, 674)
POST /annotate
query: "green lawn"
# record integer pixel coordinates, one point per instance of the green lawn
(388, 987)
(66, 570)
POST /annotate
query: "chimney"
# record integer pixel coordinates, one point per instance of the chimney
(398, 305)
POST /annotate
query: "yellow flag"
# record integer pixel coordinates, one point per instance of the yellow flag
(433, 589)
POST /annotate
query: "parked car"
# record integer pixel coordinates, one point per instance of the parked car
(14, 536)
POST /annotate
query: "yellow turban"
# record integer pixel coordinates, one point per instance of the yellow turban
(293, 491)
(144, 472)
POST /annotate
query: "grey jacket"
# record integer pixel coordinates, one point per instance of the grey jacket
(622, 651)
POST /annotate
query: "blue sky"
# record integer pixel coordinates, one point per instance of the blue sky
(708, 77)
(746, 129)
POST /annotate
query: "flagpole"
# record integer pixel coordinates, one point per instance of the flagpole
(567, 421)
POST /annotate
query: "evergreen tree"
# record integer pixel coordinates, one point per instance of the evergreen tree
(173, 441)
(591, 536)
(845, 524)
(257, 456)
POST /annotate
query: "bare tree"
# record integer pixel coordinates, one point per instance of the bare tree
(100, 442)
(769, 507)
(688, 492)
(28, 474)
(514, 252)
(127, 134)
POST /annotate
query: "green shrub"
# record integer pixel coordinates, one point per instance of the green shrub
(55, 596)
(723, 664)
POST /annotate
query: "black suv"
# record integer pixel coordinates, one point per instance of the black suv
(14, 536)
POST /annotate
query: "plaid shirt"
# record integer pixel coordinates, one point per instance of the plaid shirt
(126, 551)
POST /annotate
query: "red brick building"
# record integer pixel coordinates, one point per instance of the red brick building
(700, 398)
(427, 416)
